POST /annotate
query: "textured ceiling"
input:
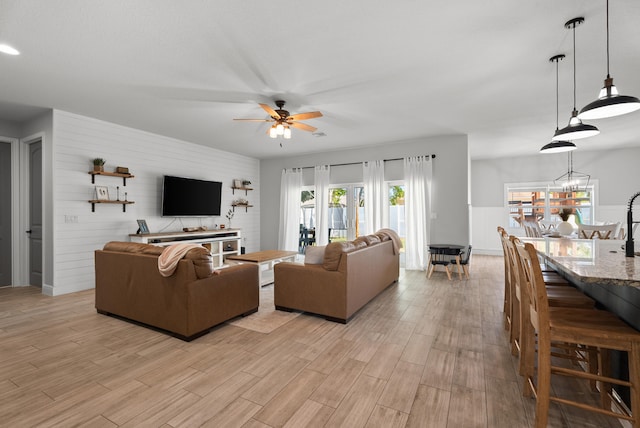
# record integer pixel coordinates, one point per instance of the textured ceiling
(380, 71)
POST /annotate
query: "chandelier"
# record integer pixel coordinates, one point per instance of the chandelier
(572, 181)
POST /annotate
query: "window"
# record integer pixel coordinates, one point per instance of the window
(544, 202)
(308, 208)
(396, 209)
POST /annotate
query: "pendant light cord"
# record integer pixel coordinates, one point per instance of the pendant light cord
(608, 76)
(574, 66)
(557, 94)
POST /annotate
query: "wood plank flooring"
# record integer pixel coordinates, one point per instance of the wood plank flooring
(425, 353)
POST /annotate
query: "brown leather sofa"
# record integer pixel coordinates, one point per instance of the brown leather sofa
(351, 274)
(186, 304)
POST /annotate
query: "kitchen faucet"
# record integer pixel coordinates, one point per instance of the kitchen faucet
(630, 251)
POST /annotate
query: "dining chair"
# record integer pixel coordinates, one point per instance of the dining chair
(442, 257)
(548, 226)
(597, 330)
(464, 261)
(506, 308)
(603, 231)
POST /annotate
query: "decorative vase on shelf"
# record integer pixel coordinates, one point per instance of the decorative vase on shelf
(565, 228)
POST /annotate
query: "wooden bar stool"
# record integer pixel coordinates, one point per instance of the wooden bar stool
(506, 308)
(559, 296)
(590, 328)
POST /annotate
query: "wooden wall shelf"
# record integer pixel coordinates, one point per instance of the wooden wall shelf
(110, 174)
(246, 189)
(124, 204)
(246, 207)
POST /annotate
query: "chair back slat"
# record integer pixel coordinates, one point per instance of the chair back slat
(599, 231)
(514, 260)
(536, 290)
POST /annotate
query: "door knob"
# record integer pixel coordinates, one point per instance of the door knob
(28, 231)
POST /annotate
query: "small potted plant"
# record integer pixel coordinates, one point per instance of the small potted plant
(98, 164)
(229, 216)
(246, 183)
(565, 228)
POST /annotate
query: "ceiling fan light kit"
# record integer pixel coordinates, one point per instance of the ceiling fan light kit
(283, 121)
(609, 103)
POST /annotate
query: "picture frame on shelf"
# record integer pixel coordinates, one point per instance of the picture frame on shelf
(237, 184)
(143, 228)
(102, 193)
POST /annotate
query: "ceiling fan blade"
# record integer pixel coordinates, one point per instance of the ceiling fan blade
(305, 116)
(269, 110)
(303, 126)
(255, 120)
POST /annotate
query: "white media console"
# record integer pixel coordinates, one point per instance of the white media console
(220, 242)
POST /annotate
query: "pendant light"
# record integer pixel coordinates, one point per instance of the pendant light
(575, 129)
(572, 181)
(9, 50)
(609, 102)
(557, 146)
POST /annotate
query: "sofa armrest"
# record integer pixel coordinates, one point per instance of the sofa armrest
(310, 288)
(213, 300)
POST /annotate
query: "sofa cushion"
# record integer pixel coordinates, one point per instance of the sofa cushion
(201, 258)
(314, 255)
(361, 241)
(132, 247)
(383, 236)
(333, 253)
(202, 261)
(373, 239)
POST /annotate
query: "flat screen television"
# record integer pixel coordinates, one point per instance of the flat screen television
(188, 197)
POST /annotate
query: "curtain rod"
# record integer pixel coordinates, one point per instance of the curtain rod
(360, 163)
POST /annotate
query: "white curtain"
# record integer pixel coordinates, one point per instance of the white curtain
(290, 189)
(321, 180)
(417, 200)
(375, 196)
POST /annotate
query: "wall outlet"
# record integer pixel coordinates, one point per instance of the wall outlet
(70, 218)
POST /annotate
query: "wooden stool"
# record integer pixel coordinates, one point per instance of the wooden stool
(560, 296)
(593, 329)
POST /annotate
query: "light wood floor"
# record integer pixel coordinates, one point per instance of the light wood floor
(425, 353)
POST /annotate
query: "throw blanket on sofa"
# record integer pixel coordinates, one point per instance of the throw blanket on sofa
(397, 243)
(171, 255)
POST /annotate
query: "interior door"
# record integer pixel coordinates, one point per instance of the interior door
(35, 214)
(5, 214)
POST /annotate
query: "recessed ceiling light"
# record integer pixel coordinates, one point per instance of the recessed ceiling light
(9, 50)
(319, 134)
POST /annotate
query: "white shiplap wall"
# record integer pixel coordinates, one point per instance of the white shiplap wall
(78, 139)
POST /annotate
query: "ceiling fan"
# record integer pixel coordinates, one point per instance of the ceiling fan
(283, 121)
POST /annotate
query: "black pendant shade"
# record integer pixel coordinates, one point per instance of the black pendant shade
(575, 129)
(558, 147)
(609, 102)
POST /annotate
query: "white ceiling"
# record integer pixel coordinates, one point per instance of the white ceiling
(380, 71)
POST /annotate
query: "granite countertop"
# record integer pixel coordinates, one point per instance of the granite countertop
(599, 261)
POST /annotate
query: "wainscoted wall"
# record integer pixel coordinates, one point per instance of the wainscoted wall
(78, 231)
(617, 179)
(487, 219)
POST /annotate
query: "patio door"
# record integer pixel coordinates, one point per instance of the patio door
(346, 212)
